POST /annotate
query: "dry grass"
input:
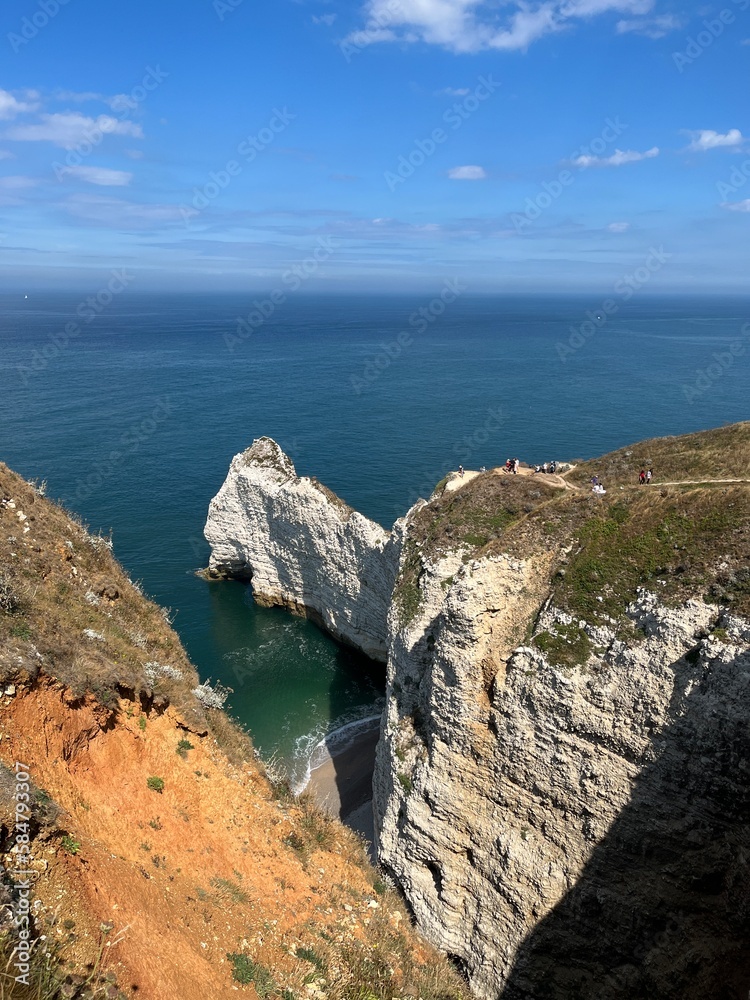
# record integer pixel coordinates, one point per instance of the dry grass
(70, 609)
(722, 453)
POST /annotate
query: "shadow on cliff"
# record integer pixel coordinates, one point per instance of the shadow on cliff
(353, 767)
(662, 909)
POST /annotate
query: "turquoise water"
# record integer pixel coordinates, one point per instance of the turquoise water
(134, 423)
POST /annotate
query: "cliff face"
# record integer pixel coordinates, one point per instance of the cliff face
(303, 548)
(164, 863)
(570, 832)
(561, 786)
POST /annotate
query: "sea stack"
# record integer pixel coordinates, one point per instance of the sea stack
(303, 548)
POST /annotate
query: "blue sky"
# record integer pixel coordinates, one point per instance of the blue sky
(542, 145)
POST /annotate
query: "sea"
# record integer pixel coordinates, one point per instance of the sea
(130, 407)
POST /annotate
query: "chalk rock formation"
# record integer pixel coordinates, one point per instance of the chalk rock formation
(562, 785)
(303, 547)
(568, 833)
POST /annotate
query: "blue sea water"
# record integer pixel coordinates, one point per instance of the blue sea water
(133, 424)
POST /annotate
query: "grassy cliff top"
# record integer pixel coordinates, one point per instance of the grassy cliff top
(688, 540)
(722, 453)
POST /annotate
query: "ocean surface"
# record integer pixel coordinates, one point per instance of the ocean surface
(131, 410)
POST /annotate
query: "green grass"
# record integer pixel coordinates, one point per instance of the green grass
(311, 956)
(675, 543)
(246, 971)
(568, 646)
(405, 781)
(156, 784)
(70, 844)
(182, 748)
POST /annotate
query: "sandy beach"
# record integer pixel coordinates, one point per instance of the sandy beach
(342, 782)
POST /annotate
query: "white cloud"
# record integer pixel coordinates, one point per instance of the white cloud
(326, 19)
(118, 214)
(475, 25)
(16, 183)
(651, 27)
(617, 159)
(71, 129)
(618, 227)
(102, 176)
(11, 106)
(468, 173)
(5, 154)
(737, 206)
(706, 138)
(80, 97)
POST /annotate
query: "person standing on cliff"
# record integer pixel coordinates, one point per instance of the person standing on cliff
(649, 476)
(642, 476)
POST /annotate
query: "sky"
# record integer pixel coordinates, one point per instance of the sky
(512, 145)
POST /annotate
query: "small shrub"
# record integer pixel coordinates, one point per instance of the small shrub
(70, 844)
(9, 599)
(246, 971)
(142, 723)
(183, 746)
(406, 783)
(311, 956)
(568, 646)
(225, 887)
(154, 823)
(21, 631)
(156, 784)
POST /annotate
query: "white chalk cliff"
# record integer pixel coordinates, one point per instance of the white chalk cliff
(563, 798)
(302, 547)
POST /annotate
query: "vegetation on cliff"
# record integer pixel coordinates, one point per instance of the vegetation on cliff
(166, 861)
(683, 540)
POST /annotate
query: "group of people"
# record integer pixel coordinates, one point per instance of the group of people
(597, 486)
(645, 476)
(512, 465)
(550, 467)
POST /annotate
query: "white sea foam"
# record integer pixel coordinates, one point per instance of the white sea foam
(316, 748)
